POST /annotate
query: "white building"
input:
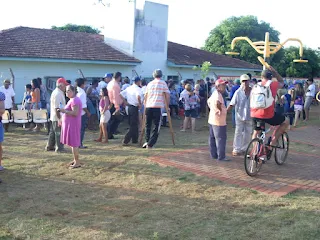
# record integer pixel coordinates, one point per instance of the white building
(142, 47)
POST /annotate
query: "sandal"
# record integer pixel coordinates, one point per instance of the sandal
(75, 166)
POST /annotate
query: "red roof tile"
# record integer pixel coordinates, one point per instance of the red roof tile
(184, 55)
(55, 44)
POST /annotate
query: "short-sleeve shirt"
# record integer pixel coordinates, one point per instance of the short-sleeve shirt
(242, 104)
(173, 97)
(217, 117)
(311, 91)
(190, 101)
(57, 100)
(131, 94)
(155, 91)
(9, 93)
(268, 112)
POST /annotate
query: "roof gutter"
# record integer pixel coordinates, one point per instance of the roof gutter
(56, 60)
(171, 64)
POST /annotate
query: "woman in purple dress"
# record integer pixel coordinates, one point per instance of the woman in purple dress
(71, 124)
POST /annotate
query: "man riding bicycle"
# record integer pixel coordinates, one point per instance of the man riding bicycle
(262, 105)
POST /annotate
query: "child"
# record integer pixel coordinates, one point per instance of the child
(174, 98)
(288, 105)
(196, 91)
(190, 101)
(26, 102)
(104, 107)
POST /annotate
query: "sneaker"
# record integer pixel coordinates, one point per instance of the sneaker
(145, 145)
(48, 149)
(1, 168)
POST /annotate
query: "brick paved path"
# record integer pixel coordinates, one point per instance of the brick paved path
(301, 171)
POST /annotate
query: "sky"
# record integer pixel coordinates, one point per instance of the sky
(190, 21)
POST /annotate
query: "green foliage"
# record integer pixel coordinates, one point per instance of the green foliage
(204, 68)
(77, 28)
(220, 38)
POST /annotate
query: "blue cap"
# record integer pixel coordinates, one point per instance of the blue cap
(108, 75)
(137, 79)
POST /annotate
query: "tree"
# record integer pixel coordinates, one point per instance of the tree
(290, 69)
(204, 68)
(77, 28)
(220, 38)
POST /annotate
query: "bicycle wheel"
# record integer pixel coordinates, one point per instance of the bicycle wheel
(252, 163)
(282, 149)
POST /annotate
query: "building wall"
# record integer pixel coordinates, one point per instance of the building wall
(151, 34)
(25, 71)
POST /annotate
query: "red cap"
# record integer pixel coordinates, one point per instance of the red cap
(220, 81)
(62, 80)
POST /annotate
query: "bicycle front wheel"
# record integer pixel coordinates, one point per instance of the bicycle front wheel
(252, 163)
(282, 149)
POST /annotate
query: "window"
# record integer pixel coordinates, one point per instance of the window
(51, 82)
(175, 79)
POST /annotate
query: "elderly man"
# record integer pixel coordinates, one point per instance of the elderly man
(2, 110)
(218, 122)
(57, 101)
(9, 102)
(241, 103)
(116, 101)
(132, 98)
(310, 94)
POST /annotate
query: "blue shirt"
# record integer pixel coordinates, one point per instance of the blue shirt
(233, 90)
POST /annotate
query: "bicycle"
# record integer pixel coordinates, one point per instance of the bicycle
(257, 148)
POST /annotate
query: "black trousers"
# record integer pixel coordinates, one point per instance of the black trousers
(113, 124)
(175, 108)
(152, 115)
(133, 132)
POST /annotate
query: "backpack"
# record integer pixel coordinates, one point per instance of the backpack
(261, 96)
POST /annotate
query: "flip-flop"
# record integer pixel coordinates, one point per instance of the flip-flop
(75, 166)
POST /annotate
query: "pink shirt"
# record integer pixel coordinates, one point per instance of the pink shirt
(217, 117)
(103, 102)
(114, 93)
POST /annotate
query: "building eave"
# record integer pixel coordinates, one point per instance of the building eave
(80, 61)
(172, 64)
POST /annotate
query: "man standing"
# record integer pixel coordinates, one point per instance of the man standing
(132, 98)
(116, 101)
(8, 91)
(233, 90)
(85, 114)
(104, 83)
(310, 94)
(57, 101)
(241, 103)
(2, 110)
(156, 91)
(218, 122)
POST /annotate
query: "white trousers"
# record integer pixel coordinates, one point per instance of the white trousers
(242, 135)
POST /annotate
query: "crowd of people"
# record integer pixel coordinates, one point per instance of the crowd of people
(75, 107)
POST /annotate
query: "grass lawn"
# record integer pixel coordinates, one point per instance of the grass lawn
(119, 194)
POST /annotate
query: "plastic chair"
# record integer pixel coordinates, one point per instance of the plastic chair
(39, 116)
(20, 117)
(6, 117)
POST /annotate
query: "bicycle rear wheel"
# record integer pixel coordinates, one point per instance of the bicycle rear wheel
(252, 163)
(282, 149)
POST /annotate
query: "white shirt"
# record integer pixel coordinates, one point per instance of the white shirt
(125, 86)
(241, 102)
(83, 97)
(102, 84)
(131, 94)
(9, 93)
(57, 97)
(310, 93)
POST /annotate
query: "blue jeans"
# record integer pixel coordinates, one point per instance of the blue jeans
(217, 141)
(84, 120)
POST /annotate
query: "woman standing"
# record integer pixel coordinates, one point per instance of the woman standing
(71, 125)
(35, 98)
(92, 102)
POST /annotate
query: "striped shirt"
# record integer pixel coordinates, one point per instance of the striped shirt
(155, 93)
